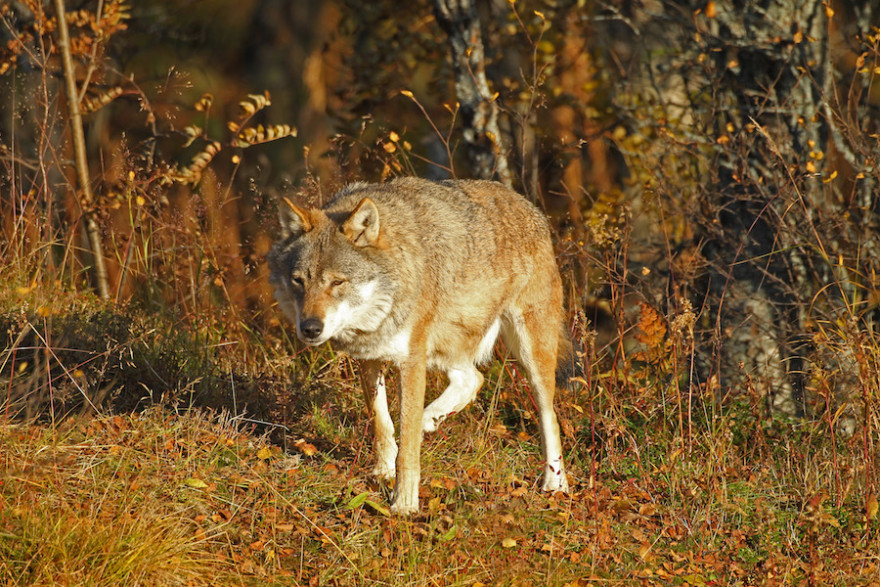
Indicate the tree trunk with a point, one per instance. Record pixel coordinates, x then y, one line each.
479 113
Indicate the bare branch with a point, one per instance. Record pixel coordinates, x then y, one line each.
79 149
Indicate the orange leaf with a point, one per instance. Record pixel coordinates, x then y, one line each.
711 11
305 447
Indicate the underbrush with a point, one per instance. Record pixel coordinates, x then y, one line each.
140 448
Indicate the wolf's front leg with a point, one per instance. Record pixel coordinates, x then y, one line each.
373 385
464 382
412 405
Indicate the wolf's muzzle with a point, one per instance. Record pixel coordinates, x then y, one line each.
311 328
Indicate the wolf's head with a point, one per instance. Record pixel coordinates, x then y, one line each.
325 273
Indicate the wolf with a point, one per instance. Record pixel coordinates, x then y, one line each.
426 275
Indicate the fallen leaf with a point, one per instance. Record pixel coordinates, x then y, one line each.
305 447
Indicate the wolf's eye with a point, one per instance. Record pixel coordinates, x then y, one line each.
297 281
337 282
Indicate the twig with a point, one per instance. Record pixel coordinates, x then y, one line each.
79 149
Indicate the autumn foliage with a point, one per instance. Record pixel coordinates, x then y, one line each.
710 172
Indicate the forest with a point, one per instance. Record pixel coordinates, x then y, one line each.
711 173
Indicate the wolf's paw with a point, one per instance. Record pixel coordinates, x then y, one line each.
405 507
430 421
386 456
554 477
555 481
555 485
383 470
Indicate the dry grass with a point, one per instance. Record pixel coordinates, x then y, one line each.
166 498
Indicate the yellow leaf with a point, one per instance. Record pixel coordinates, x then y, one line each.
508 543
264 453
306 448
195 483
711 10
204 102
829 12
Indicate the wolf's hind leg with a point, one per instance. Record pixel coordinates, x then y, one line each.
373 384
534 343
464 382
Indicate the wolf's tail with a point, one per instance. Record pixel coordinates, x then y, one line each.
568 364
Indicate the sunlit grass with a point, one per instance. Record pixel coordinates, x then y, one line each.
168 498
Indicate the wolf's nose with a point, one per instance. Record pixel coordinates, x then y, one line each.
311 327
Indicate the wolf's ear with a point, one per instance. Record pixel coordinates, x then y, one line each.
362 227
294 220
